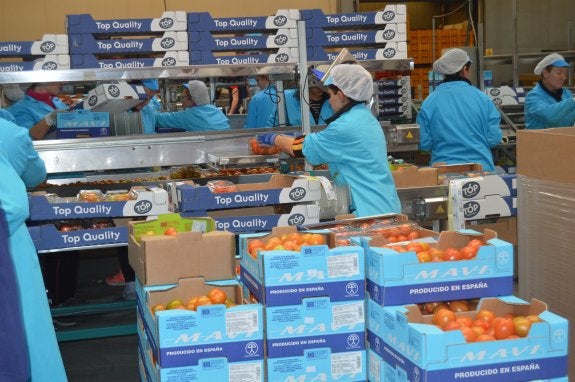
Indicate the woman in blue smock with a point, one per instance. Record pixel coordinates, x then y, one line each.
198 113
458 123
149 108
549 104
352 144
28 170
37 110
262 105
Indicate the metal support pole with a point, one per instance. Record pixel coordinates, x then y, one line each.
281 103
303 84
515 57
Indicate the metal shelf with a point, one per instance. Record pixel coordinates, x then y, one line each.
524 58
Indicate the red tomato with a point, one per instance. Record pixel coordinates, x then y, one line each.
485 315
468 252
451 254
475 243
442 316
503 328
469 334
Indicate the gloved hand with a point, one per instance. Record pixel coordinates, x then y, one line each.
267 139
50 118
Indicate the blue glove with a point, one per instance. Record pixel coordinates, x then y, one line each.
267 139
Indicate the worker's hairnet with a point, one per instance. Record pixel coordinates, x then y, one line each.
13 92
151 84
353 80
552 59
199 92
451 62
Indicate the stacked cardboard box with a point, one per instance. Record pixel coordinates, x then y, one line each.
49 53
506 95
394 98
370 36
128 43
243 40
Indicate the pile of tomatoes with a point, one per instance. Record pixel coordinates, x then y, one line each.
215 296
222 186
288 242
426 253
389 229
454 305
260 149
485 325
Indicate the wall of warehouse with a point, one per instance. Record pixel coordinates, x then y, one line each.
29 20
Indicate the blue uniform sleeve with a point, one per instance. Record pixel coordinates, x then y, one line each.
425 141
494 134
323 147
251 119
171 119
549 114
6 115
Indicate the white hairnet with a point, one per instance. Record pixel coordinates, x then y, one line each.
199 92
451 62
353 80
552 59
13 92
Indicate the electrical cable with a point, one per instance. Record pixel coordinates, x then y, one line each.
472 23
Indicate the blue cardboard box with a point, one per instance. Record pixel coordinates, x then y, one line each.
150 201
91 61
279 189
319 365
316 322
280 277
87 43
207 57
390 14
391 50
388 33
85 23
407 340
181 337
51 44
281 38
48 62
48 237
80 124
203 21
395 278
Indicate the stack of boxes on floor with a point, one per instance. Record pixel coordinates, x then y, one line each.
372 35
128 43
49 53
243 40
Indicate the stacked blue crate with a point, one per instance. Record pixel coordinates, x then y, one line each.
49 53
243 40
108 44
370 36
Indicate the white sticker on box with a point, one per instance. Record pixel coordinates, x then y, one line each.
348 315
241 322
245 372
199 226
347 363
374 368
343 265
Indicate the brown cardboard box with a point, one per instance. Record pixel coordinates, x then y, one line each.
506 228
161 259
546 212
412 176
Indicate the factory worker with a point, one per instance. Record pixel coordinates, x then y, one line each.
198 115
152 106
37 110
262 105
352 144
23 169
458 123
549 104
11 93
319 108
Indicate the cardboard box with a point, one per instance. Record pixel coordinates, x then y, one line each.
205 57
85 23
47 236
48 62
315 323
180 338
390 14
399 278
483 186
203 21
254 219
114 97
506 228
395 50
149 201
319 365
87 43
413 176
281 38
51 44
492 206
407 340
169 59
279 189
280 277
390 32
162 259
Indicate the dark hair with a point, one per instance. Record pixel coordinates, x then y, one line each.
334 88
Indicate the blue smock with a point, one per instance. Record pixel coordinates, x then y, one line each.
28 112
148 115
261 106
459 124
6 115
543 111
28 170
293 111
195 118
355 149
